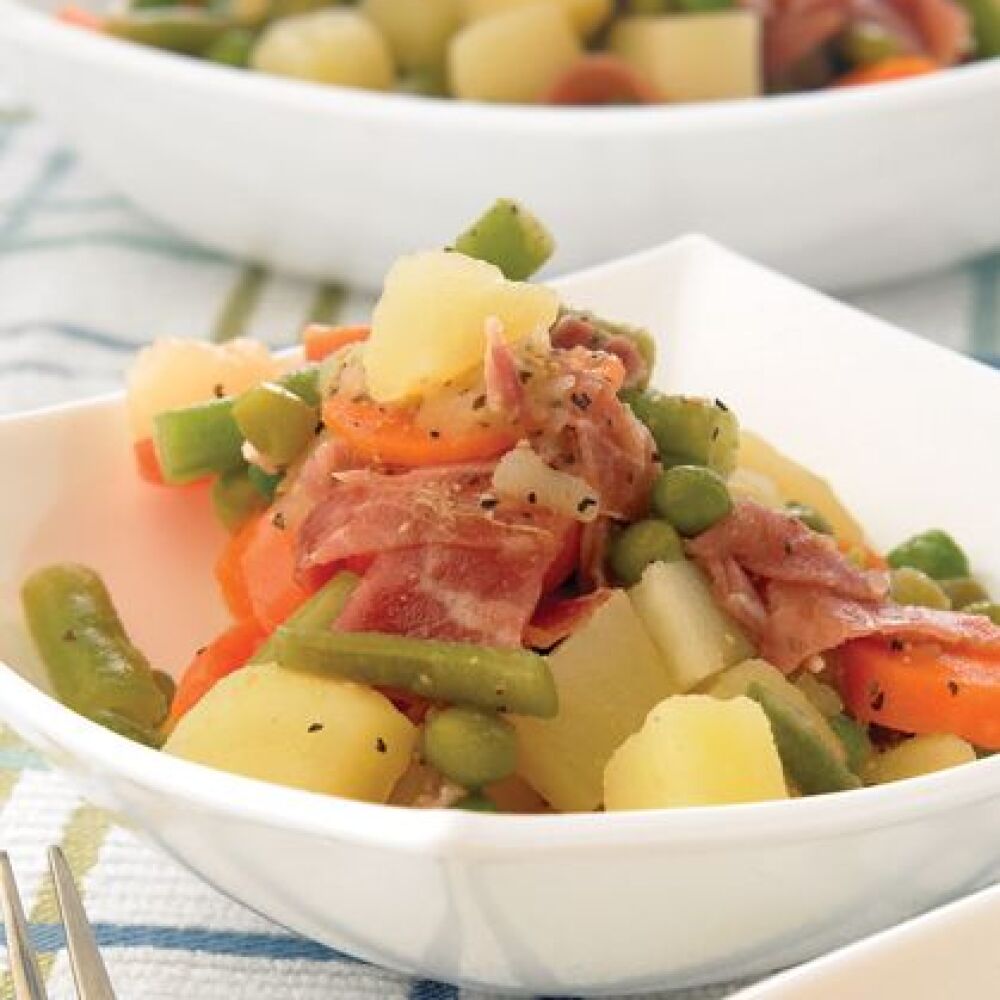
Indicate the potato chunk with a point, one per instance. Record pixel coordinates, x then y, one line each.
299 729
586 16
695 750
429 325
514 57
417 30
919 755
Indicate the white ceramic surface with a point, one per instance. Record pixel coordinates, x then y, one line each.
840 189
564 904
951 952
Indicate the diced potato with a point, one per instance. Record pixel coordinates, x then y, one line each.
171 373
693 57
514 57
337 47
920 755
795 482
417 32
693 751
608 675
299 729
695 638
747 484
586 16
429 325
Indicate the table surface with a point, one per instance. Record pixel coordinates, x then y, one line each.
85 281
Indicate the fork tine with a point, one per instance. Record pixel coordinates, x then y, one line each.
24 971
89 973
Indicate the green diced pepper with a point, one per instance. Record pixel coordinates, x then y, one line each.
236 498
197 441
319 612
92 665
985 26
689 430
509 236
275 421
933 552
512 680
470 747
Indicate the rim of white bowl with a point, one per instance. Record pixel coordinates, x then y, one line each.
954 83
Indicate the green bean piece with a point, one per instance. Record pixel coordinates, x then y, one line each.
179 29
806 757
933 552
988 609
476 803
692 498
854 737
606 329
319 612
864 43
275 421
166 684
641 544
985 16
511 237
197 441
93 666
130 730
511 680
232 48
304 382
236 499
809 516
689 430
910 586
265 483
963 591
153 4
470 747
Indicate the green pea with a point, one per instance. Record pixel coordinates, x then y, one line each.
933 552
476 803
809 516
470 747
641 544
691 497
275 421
963 591
988 609
910 586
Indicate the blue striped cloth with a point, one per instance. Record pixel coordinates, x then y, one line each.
84 281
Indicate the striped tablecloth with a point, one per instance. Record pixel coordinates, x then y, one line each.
84 282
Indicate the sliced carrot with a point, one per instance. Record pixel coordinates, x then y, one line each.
257 575
80 18
221 657
920 688
147 463
600 79
320 341
888 69
389 435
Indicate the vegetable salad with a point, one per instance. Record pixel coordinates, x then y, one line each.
476 560
581 52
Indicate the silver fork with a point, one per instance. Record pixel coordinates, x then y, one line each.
89 973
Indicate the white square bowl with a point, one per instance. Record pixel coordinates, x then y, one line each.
582 904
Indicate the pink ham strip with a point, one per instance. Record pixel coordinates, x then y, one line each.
575 331
504 392
558 618
798 596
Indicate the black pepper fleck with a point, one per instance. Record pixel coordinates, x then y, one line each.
580 400
722 406
219 390
279 521
896 645
585 503
952 688
878 701
489 503
380 744
315 727
532 497
479 402
69 635
434 434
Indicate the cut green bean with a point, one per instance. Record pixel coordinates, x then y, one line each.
197 441
511 237
148 737
92 665
275 421
854 738
504 680
470 747
232 48
689 430
236 499
319 612
182 30
303 382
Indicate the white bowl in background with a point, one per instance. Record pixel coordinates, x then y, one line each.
573 904
841 188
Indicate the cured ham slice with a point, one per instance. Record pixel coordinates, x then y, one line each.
799 597
576 331
557 618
